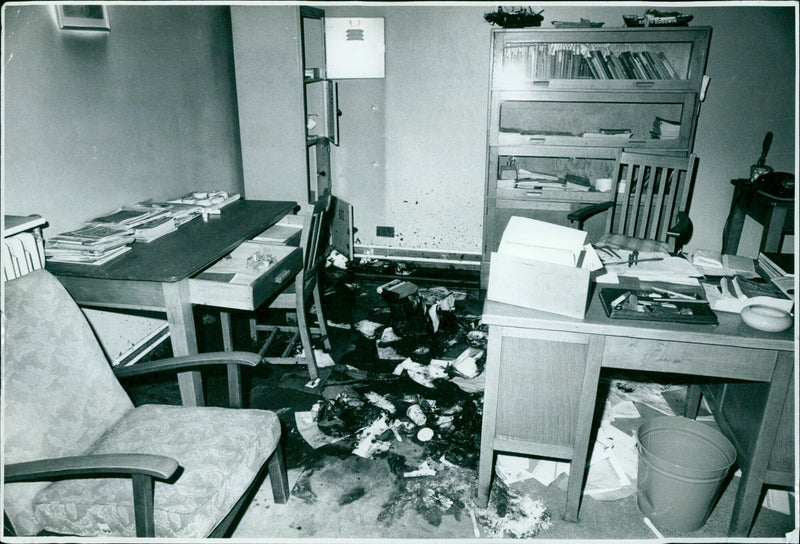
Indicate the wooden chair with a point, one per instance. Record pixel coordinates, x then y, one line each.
80 459
650 210
298 295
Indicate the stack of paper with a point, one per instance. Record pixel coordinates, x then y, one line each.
90 244
734 294
127 217
211 202
713 263
181 213
665 130
155 228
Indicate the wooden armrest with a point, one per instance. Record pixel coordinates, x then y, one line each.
156 466
680 232
187 361
681 226
582 214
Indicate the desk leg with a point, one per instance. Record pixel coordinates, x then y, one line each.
749 491
773 229
692 403
591 377
184 338
486 463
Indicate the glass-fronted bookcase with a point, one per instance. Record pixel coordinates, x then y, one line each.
566 101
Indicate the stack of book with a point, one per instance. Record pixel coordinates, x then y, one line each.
92 244
211 202
586 61
154 228
148 223
180 213
127 217
665 130
777 265
779 269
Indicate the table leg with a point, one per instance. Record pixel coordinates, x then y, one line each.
591 377
773 229
691 405
733 228
754 469
492 370
183 336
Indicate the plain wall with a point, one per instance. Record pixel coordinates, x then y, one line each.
98 120
149 111
435 97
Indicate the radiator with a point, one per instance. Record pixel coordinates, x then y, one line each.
124 338
22 253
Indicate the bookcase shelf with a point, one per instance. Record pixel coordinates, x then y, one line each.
567 101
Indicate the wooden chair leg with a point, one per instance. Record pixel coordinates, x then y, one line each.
320 318
692 403
278 477
227 331
305 337
253 329
143 508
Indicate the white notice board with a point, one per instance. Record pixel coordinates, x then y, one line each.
354 47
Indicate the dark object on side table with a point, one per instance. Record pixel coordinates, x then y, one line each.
516 18
654 17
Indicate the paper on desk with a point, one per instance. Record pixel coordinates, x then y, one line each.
669 269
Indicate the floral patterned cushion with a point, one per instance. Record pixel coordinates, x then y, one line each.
219 450
53 406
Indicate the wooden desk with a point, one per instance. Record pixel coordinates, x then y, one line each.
774 214
154 276
542 375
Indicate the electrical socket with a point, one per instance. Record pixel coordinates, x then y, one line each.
385 232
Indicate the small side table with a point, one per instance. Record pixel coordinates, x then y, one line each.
771 212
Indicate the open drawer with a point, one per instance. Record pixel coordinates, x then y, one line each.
247 277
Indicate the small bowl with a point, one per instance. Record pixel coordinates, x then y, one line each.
766 318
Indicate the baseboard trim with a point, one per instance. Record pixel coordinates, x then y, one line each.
449 259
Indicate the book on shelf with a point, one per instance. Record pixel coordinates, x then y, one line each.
777 265
587 61
576 183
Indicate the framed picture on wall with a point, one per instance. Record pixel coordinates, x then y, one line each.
82 17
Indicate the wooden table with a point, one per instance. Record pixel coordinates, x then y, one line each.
773 213
155 276
542 376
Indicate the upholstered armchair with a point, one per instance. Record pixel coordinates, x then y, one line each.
80 459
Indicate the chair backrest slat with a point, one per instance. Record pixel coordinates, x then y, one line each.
655 189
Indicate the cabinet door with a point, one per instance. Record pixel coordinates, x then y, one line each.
600 59
319 168
630 120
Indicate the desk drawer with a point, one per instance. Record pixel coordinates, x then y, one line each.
247 277
687 358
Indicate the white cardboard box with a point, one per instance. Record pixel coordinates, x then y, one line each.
537 266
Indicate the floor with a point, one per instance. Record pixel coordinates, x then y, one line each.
416 488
